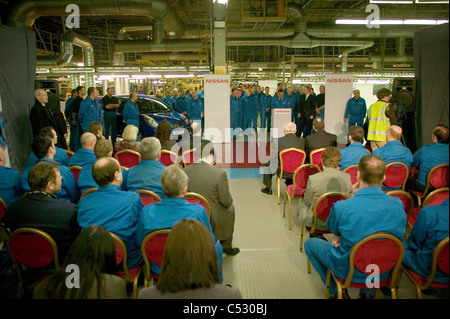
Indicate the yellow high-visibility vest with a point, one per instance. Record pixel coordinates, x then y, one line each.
378 122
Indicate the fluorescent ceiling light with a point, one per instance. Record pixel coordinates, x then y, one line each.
118 69
350 21
392 22
73 70
392 1
42 70
432 1
172 76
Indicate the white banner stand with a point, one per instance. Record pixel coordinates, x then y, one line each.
279 118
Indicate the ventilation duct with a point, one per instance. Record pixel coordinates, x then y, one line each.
164 46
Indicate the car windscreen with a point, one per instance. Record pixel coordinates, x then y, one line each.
151 106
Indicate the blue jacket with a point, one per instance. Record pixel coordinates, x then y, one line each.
168 101
146 175
248 104
69 189
290 101
86 181
428 157
432 226
279 104
90 111
83 157
10 185
118 212
60 157
369 211
130 113
351 155
266 100
394 151
356 109
68 110
165 214
194 109
181 104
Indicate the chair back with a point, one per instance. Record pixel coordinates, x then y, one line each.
188 157
148 197
301 175
442 253
168 157
121 255
75 169
438 177
315 157
436 197
407 200
69 153
152 250
353 171
3 208
195 198
396 175
322 206
88 191
291 159
32 248
128 158
381 249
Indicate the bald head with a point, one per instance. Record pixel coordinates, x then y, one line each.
2 157
394 133
88 141
106 171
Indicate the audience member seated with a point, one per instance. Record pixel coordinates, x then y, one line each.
320 139
369 211
189 268
42 210
10 183
212 183
195 139
45 151
85 155
289 140
430 228
329 180
163 133
96 129
60 157
94 253
353 153
171 209
129 140
112 208
147 174
428 157
103 148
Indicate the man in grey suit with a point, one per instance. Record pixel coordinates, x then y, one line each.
329 180
212 183
321 138
289 140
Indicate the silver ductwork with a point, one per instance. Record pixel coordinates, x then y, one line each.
164 46
23 13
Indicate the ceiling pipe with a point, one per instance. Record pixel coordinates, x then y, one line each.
23 13
179 45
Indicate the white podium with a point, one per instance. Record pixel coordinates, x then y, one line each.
279 118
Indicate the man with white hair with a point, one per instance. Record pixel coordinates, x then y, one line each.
289 140
147 174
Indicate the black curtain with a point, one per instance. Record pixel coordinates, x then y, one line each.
17 81
431 67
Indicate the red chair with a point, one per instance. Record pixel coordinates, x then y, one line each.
32 250
148 197
152 250
188 157
315 157
128 158
407 200
322 209
195 198
69 153
300 180
439 260
396 175
168 157
3 208
76 171
437 177
381 249
290 159
130 275
436 197
353 171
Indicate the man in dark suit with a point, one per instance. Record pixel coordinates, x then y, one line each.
289 140
306 112
321 138
42 116
42 210
212 183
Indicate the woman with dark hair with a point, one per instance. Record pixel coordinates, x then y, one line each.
94 252
189 268
163 132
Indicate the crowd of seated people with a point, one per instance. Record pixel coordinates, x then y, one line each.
53 197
